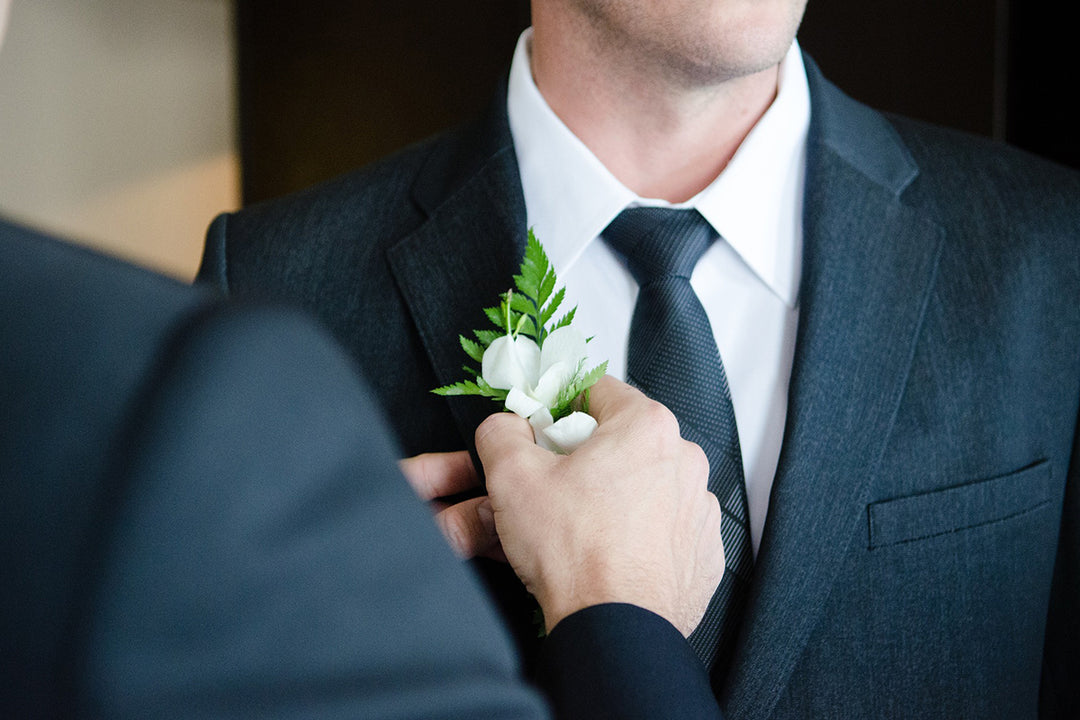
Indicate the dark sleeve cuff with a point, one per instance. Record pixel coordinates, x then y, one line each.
622 661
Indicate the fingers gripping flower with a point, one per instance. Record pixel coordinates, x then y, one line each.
535 371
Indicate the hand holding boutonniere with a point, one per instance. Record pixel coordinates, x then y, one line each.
533 367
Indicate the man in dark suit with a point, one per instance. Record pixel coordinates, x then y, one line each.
909 295
200 516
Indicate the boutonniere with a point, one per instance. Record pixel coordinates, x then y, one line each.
530 365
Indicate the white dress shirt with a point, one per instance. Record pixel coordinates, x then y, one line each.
748 281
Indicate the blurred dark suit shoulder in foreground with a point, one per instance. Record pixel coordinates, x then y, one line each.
200 516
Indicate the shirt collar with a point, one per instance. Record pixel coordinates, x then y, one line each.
755 204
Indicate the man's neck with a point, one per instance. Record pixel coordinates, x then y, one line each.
662 139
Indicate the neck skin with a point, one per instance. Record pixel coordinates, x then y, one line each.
663 136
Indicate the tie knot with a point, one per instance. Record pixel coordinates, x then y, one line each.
660 242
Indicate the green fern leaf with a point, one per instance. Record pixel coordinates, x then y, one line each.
472 349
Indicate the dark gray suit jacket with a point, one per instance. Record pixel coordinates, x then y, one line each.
200 517
921 556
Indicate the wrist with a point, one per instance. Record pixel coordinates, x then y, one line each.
572 597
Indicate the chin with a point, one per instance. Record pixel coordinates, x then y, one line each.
758 39
730 60
737 45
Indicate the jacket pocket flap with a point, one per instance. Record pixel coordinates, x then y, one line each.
938 512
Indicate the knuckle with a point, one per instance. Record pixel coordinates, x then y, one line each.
425 479
696 460
455 528
418 474
660 420
712 504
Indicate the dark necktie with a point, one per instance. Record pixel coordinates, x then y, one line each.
673 359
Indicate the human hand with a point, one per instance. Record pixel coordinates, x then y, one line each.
626 518
467 525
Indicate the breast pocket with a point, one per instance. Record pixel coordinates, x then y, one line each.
961 507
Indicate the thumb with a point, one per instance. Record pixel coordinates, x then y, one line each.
501 434
508 450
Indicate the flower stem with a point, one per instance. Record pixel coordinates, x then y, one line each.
509 300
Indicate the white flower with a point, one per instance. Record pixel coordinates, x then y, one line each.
564 436
534 378
511 362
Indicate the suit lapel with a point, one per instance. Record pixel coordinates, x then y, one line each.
466 252
868 268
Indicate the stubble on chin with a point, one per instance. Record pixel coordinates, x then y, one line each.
681 52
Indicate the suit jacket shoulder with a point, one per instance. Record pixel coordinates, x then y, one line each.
202 516
83 337
267 526
1000 190
371 207
396 260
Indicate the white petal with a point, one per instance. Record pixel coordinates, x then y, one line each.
566 345
540 421
511 362
521 404
570 432
552 382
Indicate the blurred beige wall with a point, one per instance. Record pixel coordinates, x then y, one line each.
117 124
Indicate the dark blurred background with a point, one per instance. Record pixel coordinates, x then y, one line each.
328 86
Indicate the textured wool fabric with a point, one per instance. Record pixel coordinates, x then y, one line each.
673 358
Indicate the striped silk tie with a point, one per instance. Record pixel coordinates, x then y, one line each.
673 359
